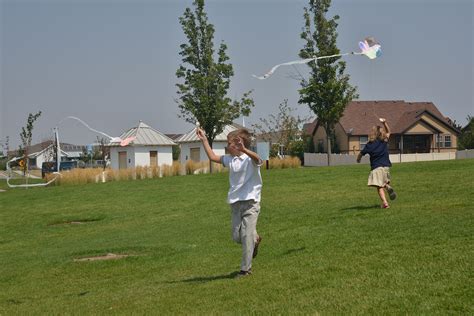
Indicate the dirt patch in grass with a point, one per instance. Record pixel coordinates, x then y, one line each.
109 256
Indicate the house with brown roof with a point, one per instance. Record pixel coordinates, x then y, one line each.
416 127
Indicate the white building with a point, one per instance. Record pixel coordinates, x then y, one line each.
36 159
192 149
150 148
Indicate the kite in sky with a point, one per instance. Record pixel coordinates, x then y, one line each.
369 47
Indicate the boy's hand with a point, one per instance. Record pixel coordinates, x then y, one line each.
200 134
239 144
382 120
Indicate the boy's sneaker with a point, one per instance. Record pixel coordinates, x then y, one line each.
255 248
242 274
391 192
385 205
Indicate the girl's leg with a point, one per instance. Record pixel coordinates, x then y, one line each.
381 192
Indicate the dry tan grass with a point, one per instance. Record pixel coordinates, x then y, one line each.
193 167
287 162
155 172
177 168
77 176
92 175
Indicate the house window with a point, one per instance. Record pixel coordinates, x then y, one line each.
320 146
363 141
440 141
447 141
444 141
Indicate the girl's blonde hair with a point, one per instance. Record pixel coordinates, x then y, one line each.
377 132
242 133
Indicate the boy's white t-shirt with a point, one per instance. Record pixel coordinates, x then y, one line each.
244 177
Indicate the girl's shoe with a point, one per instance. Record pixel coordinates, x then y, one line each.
385 205
391 192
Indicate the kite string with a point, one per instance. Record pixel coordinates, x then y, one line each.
85 124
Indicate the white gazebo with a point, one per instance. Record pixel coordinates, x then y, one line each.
192 149
149 148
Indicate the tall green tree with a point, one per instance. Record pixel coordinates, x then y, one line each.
466 138
26 136
206 77
327 92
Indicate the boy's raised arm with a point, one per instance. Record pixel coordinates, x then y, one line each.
253 155
210 153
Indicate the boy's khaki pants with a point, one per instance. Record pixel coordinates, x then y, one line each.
244 229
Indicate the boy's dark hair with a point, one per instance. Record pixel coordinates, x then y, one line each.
242 133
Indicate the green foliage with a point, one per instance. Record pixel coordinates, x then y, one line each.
327 92
327 246
309 144
203 94
274 150
176 152
283 128
3 163
98 153
466 139
296 148
26 136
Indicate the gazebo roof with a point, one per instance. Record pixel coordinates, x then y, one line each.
145 136
191 137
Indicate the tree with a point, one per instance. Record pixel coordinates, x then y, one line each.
203 94
327 92
26 136
176 151
6 147
104 150
283 128
466 139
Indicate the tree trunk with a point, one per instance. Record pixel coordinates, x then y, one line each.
210 161
329 150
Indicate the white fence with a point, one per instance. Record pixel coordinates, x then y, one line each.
465 154
318 160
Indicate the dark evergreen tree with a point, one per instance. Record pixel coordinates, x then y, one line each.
203 92
327 92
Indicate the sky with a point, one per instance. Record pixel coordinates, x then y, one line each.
113 62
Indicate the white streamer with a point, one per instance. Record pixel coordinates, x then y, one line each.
302 61
369 47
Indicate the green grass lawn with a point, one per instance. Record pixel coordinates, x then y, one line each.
327 246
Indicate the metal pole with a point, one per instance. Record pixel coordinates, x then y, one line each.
58 149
